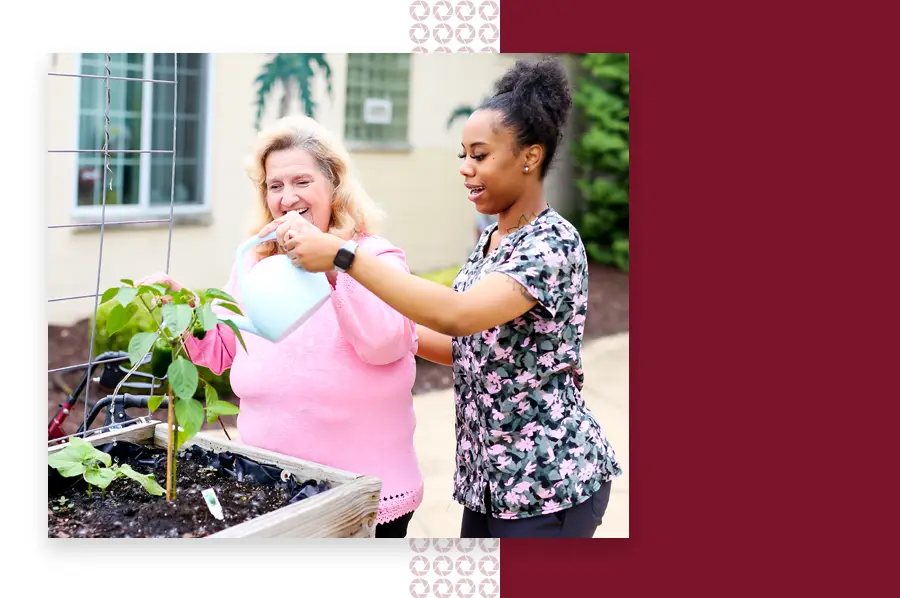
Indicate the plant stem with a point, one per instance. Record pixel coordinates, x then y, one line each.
224 429
152 315
170 451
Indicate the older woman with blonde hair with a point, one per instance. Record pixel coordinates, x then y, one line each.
337 391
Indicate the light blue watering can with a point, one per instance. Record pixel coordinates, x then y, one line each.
278 297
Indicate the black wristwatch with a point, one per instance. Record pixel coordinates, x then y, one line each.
344 258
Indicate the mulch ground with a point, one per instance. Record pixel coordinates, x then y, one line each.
68 345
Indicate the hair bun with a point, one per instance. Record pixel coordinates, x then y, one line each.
543 84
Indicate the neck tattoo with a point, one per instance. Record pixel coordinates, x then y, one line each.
523 221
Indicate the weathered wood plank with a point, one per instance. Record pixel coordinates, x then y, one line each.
344 511
139 434
347 510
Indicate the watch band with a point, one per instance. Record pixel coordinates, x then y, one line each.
344 258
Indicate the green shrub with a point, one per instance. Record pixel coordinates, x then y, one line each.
601 156
142 321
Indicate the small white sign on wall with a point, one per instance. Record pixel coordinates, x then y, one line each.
377 111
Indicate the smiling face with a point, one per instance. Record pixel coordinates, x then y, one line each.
492 170
295 182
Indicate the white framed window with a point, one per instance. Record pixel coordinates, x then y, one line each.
377 110
141 115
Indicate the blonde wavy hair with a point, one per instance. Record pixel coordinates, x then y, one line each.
353 212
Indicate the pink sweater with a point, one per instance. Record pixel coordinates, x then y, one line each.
338 391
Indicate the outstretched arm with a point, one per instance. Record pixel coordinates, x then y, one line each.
494 300
527 277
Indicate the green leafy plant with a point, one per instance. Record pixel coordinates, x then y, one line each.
290 69
176 314
143 321
81 458
602 157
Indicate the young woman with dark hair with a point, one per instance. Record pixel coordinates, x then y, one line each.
531 459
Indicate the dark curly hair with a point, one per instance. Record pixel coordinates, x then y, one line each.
534 99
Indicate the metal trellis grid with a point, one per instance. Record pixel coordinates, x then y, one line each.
107 172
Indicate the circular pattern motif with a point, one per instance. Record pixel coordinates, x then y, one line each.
468 592
419 565
468 36
489 10
488 560
442 33
443 565
465 10
488 33
465 565
420 33
443 588
419 10
488 588
458 567
446 10
444 20
419 588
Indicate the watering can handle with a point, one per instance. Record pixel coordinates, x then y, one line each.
240 259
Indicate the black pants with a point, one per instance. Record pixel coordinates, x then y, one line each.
580 521
394 529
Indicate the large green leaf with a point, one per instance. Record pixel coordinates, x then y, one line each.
177 317
119 317
126 295
147 481
183 377
154 402
99 476
108 294
223 408
68 464
207 318
139 345
219 294
231 307
189 414
210 394
77 457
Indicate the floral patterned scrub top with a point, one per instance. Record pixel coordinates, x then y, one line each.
521 424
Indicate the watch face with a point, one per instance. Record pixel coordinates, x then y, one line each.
343 259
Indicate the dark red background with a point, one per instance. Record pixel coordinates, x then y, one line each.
764 271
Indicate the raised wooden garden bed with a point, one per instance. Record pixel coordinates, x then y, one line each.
346 509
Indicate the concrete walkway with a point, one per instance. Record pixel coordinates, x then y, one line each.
606 393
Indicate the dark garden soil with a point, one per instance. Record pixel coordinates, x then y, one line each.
68 345
126 510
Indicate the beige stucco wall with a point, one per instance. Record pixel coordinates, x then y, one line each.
420 189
